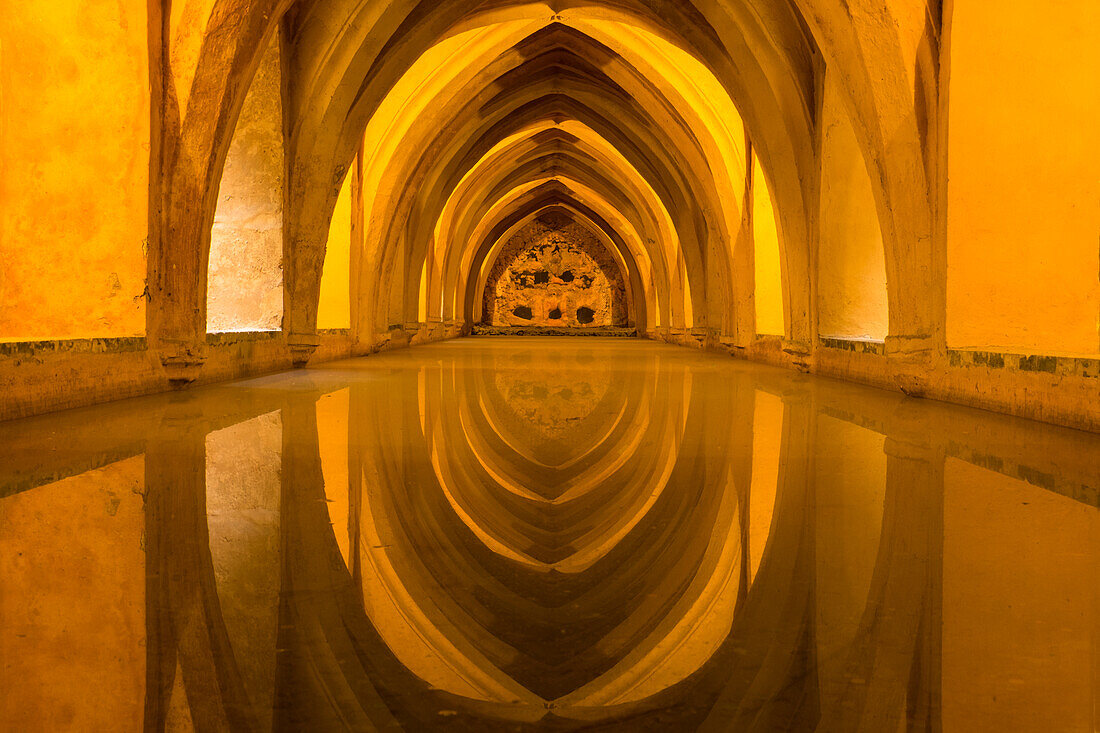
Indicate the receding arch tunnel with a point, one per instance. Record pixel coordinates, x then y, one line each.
466 119
428 355
773 175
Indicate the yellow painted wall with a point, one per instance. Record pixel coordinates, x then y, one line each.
1021 573
1024 167
72 603
187 23
851 296
769 279
334 310
74 160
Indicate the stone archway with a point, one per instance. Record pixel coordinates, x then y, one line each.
554 272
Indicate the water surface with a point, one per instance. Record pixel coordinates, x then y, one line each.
547 534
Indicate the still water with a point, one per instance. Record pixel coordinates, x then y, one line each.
547 534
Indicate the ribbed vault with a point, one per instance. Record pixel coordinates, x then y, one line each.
455 122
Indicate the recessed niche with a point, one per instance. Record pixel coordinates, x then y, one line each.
585 314
552 266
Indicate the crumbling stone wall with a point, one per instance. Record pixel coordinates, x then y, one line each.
555 272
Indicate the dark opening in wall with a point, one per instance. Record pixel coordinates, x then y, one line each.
567 276
541 278
555 315
522 311
585 314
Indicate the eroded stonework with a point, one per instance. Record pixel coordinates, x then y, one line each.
555 272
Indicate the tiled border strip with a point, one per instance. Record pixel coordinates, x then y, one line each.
1060 366
73 346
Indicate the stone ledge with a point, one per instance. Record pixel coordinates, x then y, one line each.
239 337
1066 398
859 346
121 345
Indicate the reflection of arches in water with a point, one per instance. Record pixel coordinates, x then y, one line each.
336 666
183 589
511 541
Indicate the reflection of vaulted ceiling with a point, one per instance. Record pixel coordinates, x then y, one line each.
504 562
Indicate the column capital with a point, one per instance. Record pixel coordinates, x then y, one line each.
302 346
182 359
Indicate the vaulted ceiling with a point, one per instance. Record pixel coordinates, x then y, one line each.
461 121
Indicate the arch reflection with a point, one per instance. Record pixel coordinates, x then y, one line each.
599 534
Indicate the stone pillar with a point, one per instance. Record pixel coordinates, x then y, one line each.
744 266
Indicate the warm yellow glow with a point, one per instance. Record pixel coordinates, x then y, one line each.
334 309
850 489
451 511
851 261
73 587
244 525
443 68
594 199
767 442
332 441
769 278
1018 629
422 300
1024 192
717 122
74 168
851 283
440 70
453 249
186 30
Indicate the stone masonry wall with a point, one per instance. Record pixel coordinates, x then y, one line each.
555 272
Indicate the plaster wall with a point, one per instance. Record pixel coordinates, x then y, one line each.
187 24
769 279
49 376
74 168
1023 192
851 296
1059 391
334 308
245 285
